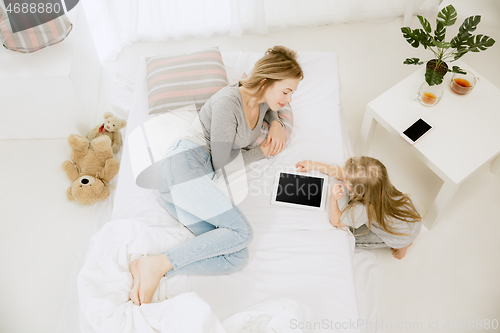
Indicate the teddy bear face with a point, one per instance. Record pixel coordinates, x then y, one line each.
112 123
88 190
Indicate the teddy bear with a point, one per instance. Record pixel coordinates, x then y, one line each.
90 169
111 128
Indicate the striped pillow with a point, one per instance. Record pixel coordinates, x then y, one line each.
33 39
180 80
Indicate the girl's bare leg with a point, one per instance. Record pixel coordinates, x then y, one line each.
147 273
400 253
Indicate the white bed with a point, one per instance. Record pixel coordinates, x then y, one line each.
296 255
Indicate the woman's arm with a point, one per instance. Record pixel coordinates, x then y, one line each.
275 141
222 133
255 153
284 116
280 128
336 194
331 170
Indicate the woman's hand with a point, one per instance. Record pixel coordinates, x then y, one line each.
275 138
305 166
336 192
265 147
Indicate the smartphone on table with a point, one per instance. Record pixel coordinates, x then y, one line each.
416 131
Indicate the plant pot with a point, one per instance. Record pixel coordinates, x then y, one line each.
442 69
435 75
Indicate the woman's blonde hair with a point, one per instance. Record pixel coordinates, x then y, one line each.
277 64
370 186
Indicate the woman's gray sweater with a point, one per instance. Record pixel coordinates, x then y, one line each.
222 130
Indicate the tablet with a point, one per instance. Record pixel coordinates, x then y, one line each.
300 190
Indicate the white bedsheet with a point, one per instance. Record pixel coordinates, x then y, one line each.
295 254
105 281
104 284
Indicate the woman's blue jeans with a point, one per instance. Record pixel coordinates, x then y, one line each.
189 193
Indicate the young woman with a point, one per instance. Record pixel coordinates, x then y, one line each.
378 214
229 123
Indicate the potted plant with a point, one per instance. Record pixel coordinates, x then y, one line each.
461 44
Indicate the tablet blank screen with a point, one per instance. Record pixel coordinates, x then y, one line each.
302 190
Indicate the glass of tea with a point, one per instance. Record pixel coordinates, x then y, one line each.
462 84
429 95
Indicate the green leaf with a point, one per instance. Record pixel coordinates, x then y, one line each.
464 32
410 37
460 53
433 78
448 16
425 24
479 43
417 37
440 31
459 41
424 38
457 70
412 61
469 25
443 45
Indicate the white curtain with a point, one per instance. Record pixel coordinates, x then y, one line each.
117 23
281 14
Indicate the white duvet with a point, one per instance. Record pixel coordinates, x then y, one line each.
300 273
105 283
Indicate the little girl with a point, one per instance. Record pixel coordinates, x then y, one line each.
378 214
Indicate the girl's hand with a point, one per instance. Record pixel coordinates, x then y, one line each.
305 166
275 138
336 192
335 213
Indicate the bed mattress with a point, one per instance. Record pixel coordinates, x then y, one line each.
295 254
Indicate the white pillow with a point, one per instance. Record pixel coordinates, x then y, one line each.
149 142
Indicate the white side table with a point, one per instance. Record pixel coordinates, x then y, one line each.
466 132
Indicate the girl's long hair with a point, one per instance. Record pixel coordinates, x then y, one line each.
370 186
277 64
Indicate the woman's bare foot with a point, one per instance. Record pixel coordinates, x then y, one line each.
150 270
400 253
134 293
